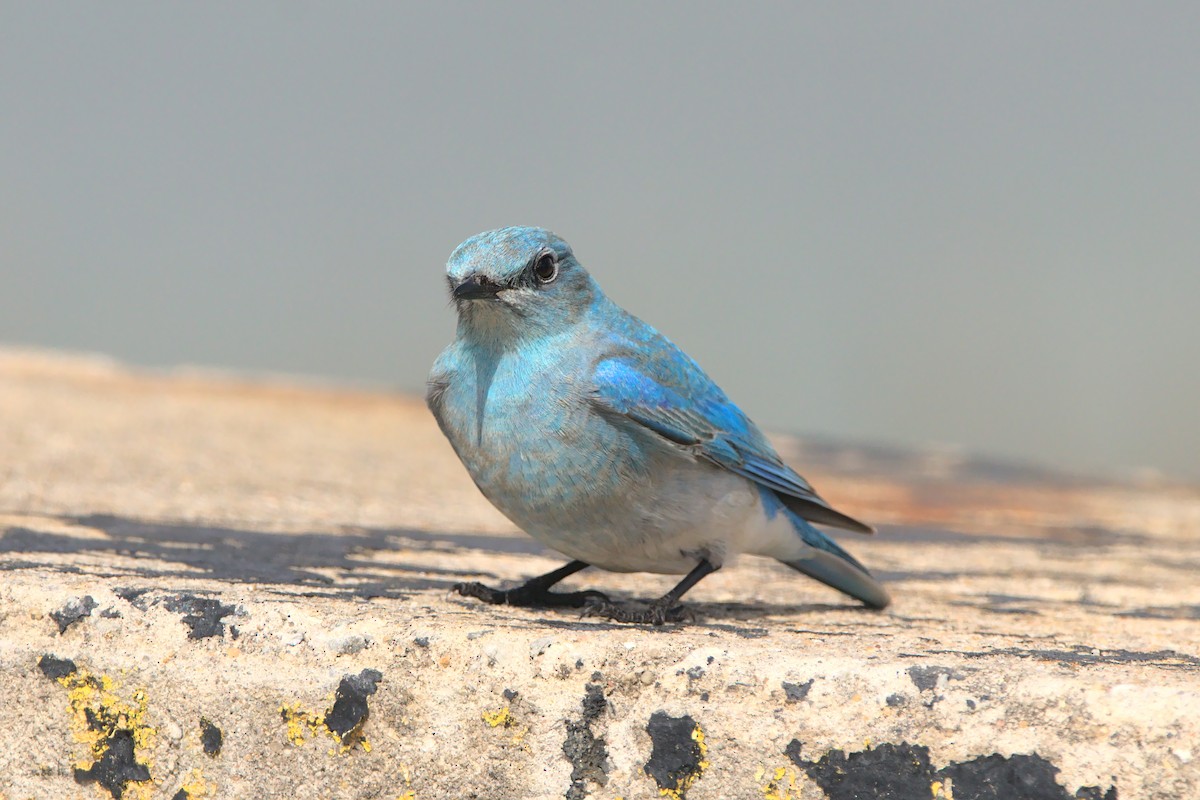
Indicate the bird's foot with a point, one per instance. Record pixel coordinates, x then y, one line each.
530 596
657 613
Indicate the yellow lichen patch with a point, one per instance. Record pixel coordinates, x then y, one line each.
698 738
942 791
504 718
408 794
196 787
302 725
497 718
109 712
686 781
780 784
98 713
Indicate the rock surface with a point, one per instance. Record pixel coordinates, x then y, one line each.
218 588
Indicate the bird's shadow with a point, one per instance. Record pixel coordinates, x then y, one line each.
306 563
337 565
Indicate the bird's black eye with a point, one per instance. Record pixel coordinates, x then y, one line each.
545 268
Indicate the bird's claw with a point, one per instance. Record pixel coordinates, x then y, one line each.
656 613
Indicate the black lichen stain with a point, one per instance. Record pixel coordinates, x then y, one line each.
117 766
202 615
76 609
54 667
887 772
133 596
182 794
675 760
795 692
1017 777
210 738
904 771
587 752
926 678
593 703
349 711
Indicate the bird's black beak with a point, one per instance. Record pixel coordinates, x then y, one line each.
476 287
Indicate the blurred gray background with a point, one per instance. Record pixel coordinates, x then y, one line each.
904 222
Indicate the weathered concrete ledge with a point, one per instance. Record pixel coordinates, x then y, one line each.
218 589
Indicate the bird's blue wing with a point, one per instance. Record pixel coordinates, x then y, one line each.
661 389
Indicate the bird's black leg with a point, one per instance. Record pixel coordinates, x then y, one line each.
535 592
664 609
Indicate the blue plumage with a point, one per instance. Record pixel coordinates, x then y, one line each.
598 436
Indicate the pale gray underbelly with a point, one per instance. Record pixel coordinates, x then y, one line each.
615 497
665 524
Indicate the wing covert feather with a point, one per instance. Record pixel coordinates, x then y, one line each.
668 394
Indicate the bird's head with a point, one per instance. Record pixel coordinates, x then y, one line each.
517 281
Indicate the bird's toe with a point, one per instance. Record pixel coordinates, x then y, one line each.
480 592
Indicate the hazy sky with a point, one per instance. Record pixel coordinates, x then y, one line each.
905 222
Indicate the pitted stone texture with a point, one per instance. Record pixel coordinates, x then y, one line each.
1044 633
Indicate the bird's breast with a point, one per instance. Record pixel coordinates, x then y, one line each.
528 436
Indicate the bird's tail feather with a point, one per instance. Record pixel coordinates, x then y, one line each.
833 566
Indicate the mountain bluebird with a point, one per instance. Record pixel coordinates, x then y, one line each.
595 434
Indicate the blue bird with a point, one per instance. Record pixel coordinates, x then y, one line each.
600 438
